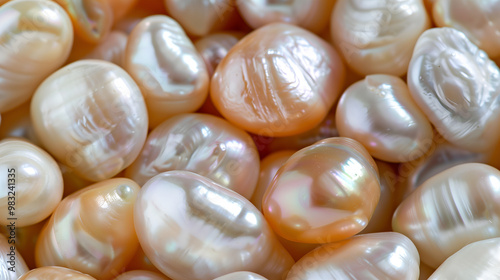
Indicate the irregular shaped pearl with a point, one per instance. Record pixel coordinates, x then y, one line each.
279 80
92 230
55 273
379 113
91 116
241 275
213 48
450 210
11 259
457 87
324 193
168 69
385 255
111 48
312 15
141 275
36 38
31 179
478 260
182 218
377 37
17 123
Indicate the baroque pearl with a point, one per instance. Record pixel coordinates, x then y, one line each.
378 36
385 255
91 116
111 48
168 69
36 38
324 193
241 275
31 179
12 264
450 210
55 273
279 80
182 218
379 113
92 230
141 275
457 87
213 48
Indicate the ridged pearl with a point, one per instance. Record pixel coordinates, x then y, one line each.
11 259
111 48
324 193
55 273
92 230
192 228
35 37
91 116
141 275
214 47
241 275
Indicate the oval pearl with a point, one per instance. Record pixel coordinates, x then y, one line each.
213 48
17 123
279 80
111 48
168 69
457 87
324 193
55 273
33 178
241 275
92 230
450 210
379 113
206 145
91 116
141 275
36 38
377 37
385 255
6 261
182 218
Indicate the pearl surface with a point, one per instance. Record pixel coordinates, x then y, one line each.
91 116
7 262
213 48
324 193
35 38
141 275
279 80
457 87
193 228
168 69
92 230
55 273
241 275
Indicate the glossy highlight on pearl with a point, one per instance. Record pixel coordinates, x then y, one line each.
55 273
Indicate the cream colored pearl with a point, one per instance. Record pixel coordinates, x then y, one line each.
55 273
11 258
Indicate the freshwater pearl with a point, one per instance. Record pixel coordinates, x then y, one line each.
141 275
92 230
379 113
385 255
241 275
457 87
168 69
91 116
35 39
378 36
26 241
111 48
17 123
192 228
213 48
450 210
55 273
324 193
279 80
31 179
11 259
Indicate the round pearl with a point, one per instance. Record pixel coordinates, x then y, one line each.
213 48
55 273
6 261
141 275
241 275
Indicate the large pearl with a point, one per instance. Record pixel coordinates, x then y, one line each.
192 228
92 230
168 69
457 87
35 38
55 273
91 116
11 258
450 210
279 80
213 48
324 193
386 255
31 182
141 275
241 275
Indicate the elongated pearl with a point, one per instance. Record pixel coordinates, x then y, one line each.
55 273
450 210
35 38
213 48
168 69
457 87
183 218
12 264
17 123
324 193
241 275
92 230
91 116
385 255
141 275
111 48
31 180
279 80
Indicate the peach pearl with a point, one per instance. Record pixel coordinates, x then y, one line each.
6 261
55 273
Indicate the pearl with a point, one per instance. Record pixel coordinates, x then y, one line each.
91 116
213 48
7 262
377 37
241 275
324 193
168 69
92 230
55 273
457 87
35 38
111 48
379 113
141 275
279 80
183 218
